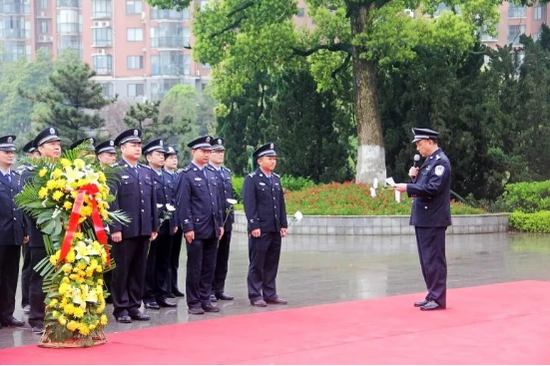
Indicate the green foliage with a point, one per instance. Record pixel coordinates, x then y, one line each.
237 183
355 199
70 101
537 222
527 197
291 183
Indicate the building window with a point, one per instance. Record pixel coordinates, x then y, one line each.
44 27
300 12
514 31
134 7
108 90
537 12
69 3
134 34
134 62
102 37
515 11
103 64
186 14
101 9
135 90
206 66
43 4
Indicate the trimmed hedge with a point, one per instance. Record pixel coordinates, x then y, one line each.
537 222
527 196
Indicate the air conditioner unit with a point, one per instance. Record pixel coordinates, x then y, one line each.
144 49
42 14
41 38
96 24
105 24
49 39
101 51
409 12
198 73
143 16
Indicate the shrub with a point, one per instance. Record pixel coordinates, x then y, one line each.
296 184
527 196
538 222
237 188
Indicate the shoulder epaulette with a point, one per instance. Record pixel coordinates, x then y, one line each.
16 172
186 169
211 168
226 169
251 175
277 175
144 166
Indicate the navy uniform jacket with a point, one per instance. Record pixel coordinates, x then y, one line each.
199 202
12 228
135 195
431 192
165 188
264 205
225 186
175 179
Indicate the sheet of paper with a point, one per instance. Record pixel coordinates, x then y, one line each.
390 181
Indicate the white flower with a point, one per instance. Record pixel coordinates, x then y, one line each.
375 183
298 216
231 201
56 212
159 205
372 192
170 208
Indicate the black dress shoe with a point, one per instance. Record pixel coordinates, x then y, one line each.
196 311
277 301
38 330
152 305
177 293
211 308
13 323
124 319
258 303
420 303
223 296
166 304
213 298
171 295
432 305
140 316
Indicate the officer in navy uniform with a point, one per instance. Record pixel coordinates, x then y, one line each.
135 195
264 206
170 167
106 155
12 233
87 142
223 175
157 277
431 215
48 144
201 219
32 153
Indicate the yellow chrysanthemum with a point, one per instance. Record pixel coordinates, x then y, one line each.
83 329
71 256
72 325
100 282
55 314
62 320
53 260
51 184
74 277
89 272
103 320
43 192
67 268
99 269
66 280
42 172
78 312
68 205
63 288
69 309
78 236
57 195
53 303
86 211
82 266
63 302
65 163
57 173
61 183
79 164
102 177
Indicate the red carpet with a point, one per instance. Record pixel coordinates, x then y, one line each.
497 324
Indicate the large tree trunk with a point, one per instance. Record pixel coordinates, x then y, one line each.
371 160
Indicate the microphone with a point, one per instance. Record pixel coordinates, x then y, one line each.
416 160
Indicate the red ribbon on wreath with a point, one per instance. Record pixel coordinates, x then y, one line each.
99 228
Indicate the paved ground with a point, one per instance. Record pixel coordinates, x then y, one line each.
329 269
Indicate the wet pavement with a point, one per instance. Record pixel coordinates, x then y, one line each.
328 269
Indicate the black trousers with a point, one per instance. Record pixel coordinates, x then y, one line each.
175 259
26 275
201 260
263 253
157 277
36 293
222 261
9 274
129 275
431 250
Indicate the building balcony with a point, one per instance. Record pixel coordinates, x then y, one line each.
69 3
15 34
102 14
169 70
170 42
14 7
160 15
69 28
8 57
44 39
102 43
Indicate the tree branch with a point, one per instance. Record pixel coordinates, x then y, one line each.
337 47
344 65
229 27
240 8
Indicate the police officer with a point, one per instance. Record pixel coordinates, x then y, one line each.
32 153
431 215
106 153
157 277
87 142
12 234
48 144
223 176
134 194
170 167
201 219
264 206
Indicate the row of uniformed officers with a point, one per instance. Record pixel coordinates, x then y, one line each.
147 251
